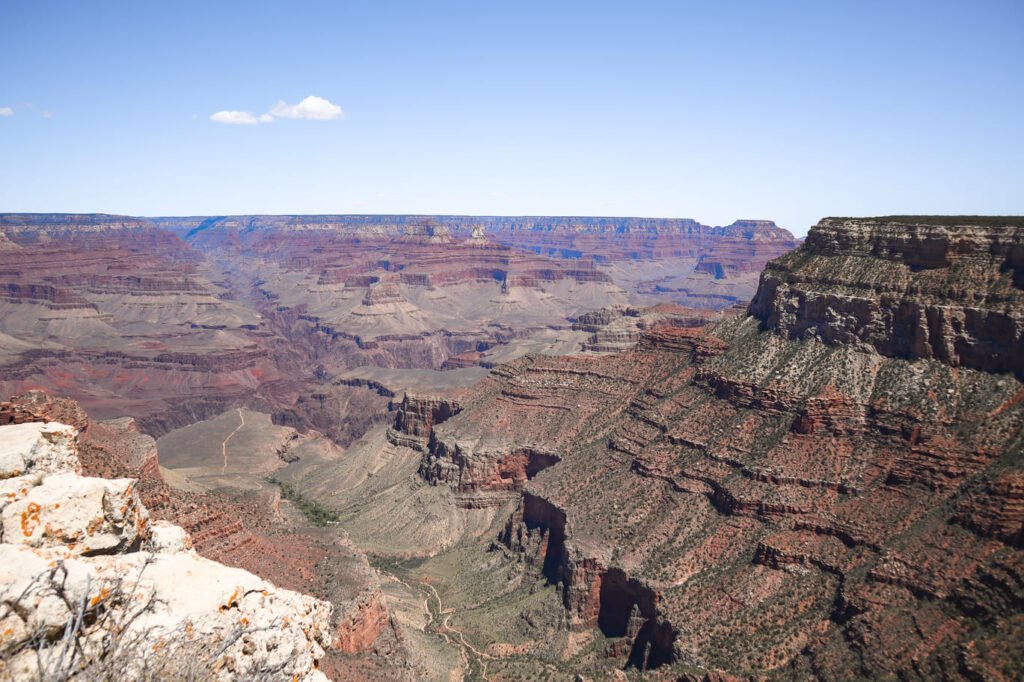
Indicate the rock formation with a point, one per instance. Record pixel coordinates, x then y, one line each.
127 324
952 293
698 265
825 484
827 487
618 328
174 320
255 531
90 589
478 236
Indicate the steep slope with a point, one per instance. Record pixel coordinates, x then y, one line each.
828 487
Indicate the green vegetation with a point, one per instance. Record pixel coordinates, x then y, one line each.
948 220
315 513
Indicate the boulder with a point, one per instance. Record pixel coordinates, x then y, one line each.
79 599
164 536
83 515
37 447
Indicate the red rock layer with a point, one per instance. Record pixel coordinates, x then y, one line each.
113 311
38 406
744 503
743 247
359 257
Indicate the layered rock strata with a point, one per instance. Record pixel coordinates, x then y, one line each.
618 328
175 320
698 265
949 292
753 499
127 323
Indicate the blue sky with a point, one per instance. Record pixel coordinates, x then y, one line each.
711 110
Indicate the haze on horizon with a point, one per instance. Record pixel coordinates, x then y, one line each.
711 111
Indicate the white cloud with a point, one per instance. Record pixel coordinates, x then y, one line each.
313 108
6 111
240 117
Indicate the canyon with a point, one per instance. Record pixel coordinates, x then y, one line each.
824 486
321 320
514 448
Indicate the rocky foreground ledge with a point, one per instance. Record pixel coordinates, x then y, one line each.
90 588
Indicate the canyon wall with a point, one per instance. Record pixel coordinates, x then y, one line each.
174 320
116 313
949 292
700 265
807 491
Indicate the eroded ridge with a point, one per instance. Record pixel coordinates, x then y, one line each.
752 499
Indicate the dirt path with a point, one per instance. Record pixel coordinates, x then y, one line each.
224 445
471 656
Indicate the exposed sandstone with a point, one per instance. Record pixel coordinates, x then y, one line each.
39 406
38 448
127 324
182 610
175 320
619 328
79 514
416 417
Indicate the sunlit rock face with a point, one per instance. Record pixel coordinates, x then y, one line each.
121 315
122 504
948 292
90 588
830 483
175 320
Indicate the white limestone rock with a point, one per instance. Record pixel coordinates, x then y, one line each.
70 547
38 447
80 514
188 611
166 537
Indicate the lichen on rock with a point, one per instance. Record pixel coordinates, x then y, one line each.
89 589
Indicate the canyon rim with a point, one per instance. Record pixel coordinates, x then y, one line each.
604 341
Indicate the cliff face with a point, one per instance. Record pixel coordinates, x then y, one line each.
117 313
396 292
948 292
812 490
174 320
699 265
